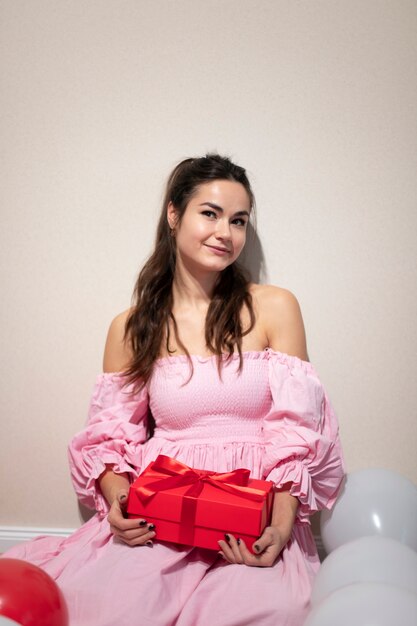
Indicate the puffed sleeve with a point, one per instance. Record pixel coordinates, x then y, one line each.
115 430
302 436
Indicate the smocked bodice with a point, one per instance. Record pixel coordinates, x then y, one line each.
209 404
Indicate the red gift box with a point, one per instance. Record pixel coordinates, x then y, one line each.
197 507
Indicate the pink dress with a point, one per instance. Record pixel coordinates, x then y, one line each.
273 418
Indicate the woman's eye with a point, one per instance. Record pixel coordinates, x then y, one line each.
239 222
209 213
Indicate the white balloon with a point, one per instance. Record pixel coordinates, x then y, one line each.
368 559
366 604
372 502
6 621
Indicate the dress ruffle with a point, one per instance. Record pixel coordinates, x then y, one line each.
114 435
302 436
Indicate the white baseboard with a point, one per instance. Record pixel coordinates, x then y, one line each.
12 535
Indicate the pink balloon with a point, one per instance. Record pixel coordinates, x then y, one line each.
29 596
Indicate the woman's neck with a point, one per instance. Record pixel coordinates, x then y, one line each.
191 290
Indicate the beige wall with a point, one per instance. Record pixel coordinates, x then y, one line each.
101 98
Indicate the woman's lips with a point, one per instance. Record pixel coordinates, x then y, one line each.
218 250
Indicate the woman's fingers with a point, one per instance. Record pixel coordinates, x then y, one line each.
138 536
137 540
230 549
271 537
235 551
226 551
262 542
122 496
247 556
131 531
116 519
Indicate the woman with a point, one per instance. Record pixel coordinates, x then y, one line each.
212 370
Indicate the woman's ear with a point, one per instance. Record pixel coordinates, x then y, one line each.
172 216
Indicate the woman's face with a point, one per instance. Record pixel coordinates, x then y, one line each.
212 231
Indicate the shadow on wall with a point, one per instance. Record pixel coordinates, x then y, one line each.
252 257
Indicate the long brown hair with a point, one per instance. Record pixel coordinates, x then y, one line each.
151 315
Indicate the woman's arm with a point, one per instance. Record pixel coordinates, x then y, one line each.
117 352
115 487
283 325
116 357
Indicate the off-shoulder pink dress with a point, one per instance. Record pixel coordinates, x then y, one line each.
273 418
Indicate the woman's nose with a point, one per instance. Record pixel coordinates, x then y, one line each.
223 229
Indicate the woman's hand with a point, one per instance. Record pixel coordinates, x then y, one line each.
115 488
267 548
272 541
134 532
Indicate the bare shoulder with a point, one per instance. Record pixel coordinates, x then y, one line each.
271 294
280 316
117 353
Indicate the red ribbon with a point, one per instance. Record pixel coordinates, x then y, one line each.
179 475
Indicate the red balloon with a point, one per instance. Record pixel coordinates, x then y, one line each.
29 596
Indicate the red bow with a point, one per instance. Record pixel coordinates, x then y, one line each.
180 475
